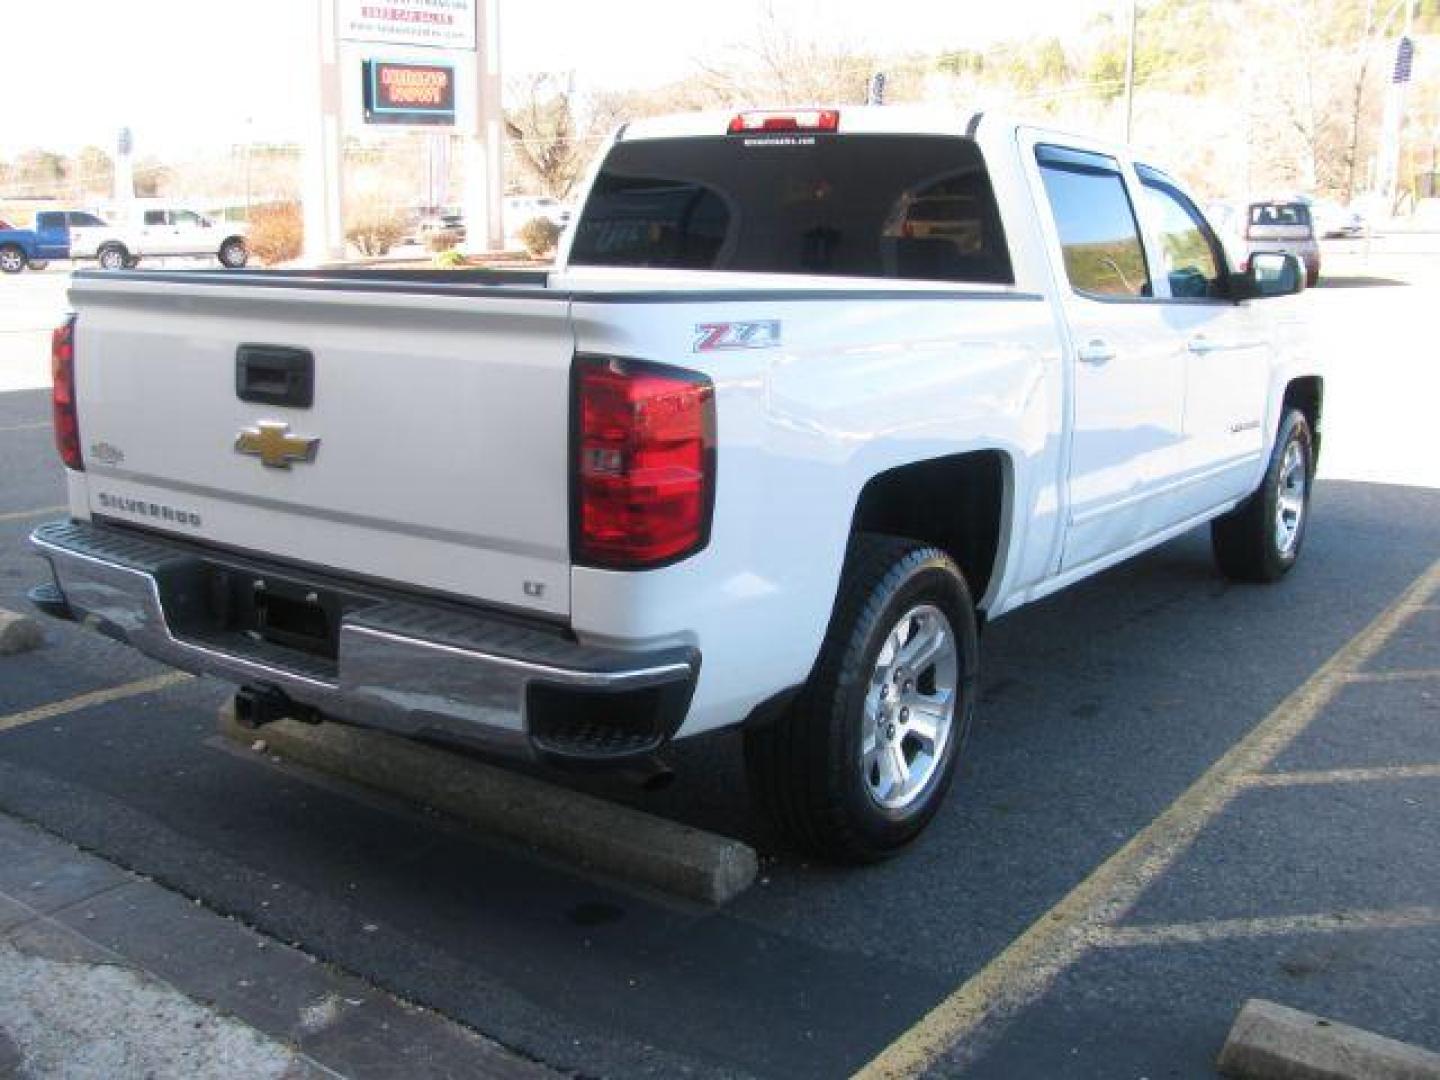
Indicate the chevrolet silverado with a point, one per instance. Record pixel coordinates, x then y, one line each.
809 396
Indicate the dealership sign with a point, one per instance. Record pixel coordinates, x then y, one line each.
403 93
438 24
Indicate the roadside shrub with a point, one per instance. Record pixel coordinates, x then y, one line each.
277 233
442 240
449 260
539 235
375 230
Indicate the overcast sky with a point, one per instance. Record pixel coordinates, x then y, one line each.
188 72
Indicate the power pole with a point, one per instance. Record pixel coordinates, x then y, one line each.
1130 77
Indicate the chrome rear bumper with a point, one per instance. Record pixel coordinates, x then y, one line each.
408 665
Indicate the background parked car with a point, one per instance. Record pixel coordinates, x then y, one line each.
49 239
1283 225
155 230
518 209
1333 221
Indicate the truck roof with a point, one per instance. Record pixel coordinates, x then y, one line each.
852 119
898 119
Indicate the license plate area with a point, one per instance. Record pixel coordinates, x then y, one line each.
233 606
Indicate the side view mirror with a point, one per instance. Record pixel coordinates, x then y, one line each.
1270 273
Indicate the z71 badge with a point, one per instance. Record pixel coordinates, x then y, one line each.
716 336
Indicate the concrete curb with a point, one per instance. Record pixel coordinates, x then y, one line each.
615 840
18 633
1273 1042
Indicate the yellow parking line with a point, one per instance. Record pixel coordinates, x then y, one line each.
1025 969
95 697
1343 776
39 511
26 427
1267 926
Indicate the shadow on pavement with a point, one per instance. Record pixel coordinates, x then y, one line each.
1356 282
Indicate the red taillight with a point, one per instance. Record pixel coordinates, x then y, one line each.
747 123
644 468
62 374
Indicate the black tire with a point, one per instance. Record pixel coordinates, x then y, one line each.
112 257
233 253
12 259
132 261
1247 541
805 765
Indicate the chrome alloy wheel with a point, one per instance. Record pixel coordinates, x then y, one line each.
11 261
909 707
1290 499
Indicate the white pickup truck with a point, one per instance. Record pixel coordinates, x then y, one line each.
157 231
809 396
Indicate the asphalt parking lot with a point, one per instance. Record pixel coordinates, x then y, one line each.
1181 793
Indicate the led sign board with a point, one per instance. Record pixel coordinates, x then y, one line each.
403 93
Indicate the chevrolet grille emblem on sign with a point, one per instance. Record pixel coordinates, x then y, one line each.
273 444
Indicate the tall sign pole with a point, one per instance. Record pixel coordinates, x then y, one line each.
485 143
1394 120
323 198
124 187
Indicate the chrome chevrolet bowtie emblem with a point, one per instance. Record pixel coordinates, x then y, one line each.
273 444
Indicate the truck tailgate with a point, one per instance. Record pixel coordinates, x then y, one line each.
440 414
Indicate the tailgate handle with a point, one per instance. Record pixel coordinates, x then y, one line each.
275 375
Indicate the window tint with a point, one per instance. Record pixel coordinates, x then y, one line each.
185 217
1185 243
1098 233
154 217
49 219
912 207
81 220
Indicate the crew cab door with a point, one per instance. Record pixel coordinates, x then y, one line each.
1226 350
1128 379
157 234
191 234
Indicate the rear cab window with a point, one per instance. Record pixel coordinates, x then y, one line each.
912 207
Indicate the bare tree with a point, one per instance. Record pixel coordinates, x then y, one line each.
554 130
781 64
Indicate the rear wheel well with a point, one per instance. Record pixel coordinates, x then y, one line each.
1308 395
955 503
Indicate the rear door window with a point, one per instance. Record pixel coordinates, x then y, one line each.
889 206
1099 234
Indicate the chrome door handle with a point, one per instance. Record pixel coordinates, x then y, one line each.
1097 352
1200 345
